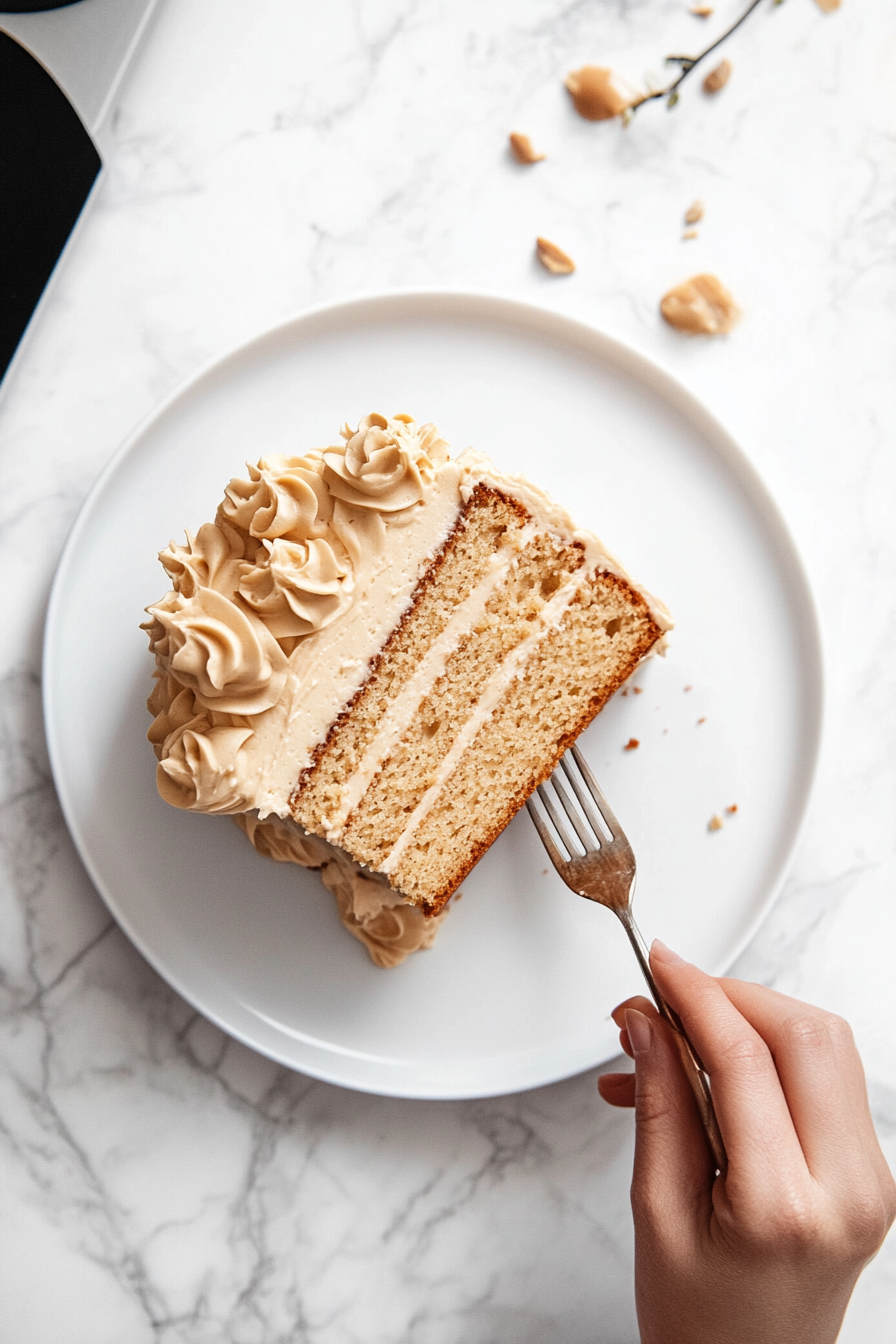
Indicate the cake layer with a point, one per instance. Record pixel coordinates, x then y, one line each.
565 681
509 618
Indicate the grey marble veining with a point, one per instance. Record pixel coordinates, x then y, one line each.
161 1182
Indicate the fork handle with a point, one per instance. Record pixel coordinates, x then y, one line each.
694 1070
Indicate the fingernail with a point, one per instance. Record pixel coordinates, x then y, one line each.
640 1032
664 953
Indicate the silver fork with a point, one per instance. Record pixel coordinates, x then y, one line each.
601 867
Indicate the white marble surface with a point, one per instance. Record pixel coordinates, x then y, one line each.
161 1183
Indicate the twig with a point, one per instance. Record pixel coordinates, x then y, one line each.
688 63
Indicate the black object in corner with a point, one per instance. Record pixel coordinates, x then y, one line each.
48 164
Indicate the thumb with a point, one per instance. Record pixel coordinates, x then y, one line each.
673 1171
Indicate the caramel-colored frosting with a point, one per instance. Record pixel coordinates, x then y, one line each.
386 464
218 648
372 912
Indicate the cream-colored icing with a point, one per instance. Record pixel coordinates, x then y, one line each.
372 912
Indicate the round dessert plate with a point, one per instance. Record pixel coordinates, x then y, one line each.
517 990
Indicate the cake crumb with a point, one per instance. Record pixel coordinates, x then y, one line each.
694 213
718 78
700 306
595 94
625 692
632 744
521 149
828 6
689 688
731 810
544 872
702 11
715 822
703 720
553 258
637 690
689 234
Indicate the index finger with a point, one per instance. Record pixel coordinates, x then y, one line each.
749 1101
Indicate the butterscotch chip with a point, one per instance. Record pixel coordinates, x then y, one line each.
701 306
694 213
595 94
521 149
553 258
718 78
715 822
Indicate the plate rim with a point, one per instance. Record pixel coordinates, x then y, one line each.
645 368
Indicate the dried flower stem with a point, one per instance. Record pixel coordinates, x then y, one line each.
688 63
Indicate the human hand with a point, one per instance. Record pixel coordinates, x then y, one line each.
770 1252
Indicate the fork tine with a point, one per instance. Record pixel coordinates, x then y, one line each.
587 804
607 812
544 835
575 817
554 815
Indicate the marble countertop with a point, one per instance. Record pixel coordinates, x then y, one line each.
161 1182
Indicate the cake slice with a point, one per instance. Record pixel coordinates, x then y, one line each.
374 655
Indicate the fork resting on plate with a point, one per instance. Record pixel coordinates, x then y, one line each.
599 864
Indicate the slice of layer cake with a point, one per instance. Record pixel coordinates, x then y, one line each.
374 655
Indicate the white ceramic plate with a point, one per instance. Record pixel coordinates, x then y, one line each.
517 990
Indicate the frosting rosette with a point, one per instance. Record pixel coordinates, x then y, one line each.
297 587
202 768
172 706
213 558
283 497
224 654
385 464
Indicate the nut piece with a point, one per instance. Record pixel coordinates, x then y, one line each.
521 149
553 258
718 78
700 306
715 822
694 213
595 95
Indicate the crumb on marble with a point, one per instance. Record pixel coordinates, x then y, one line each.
521 149
700 306
553 258
718 78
